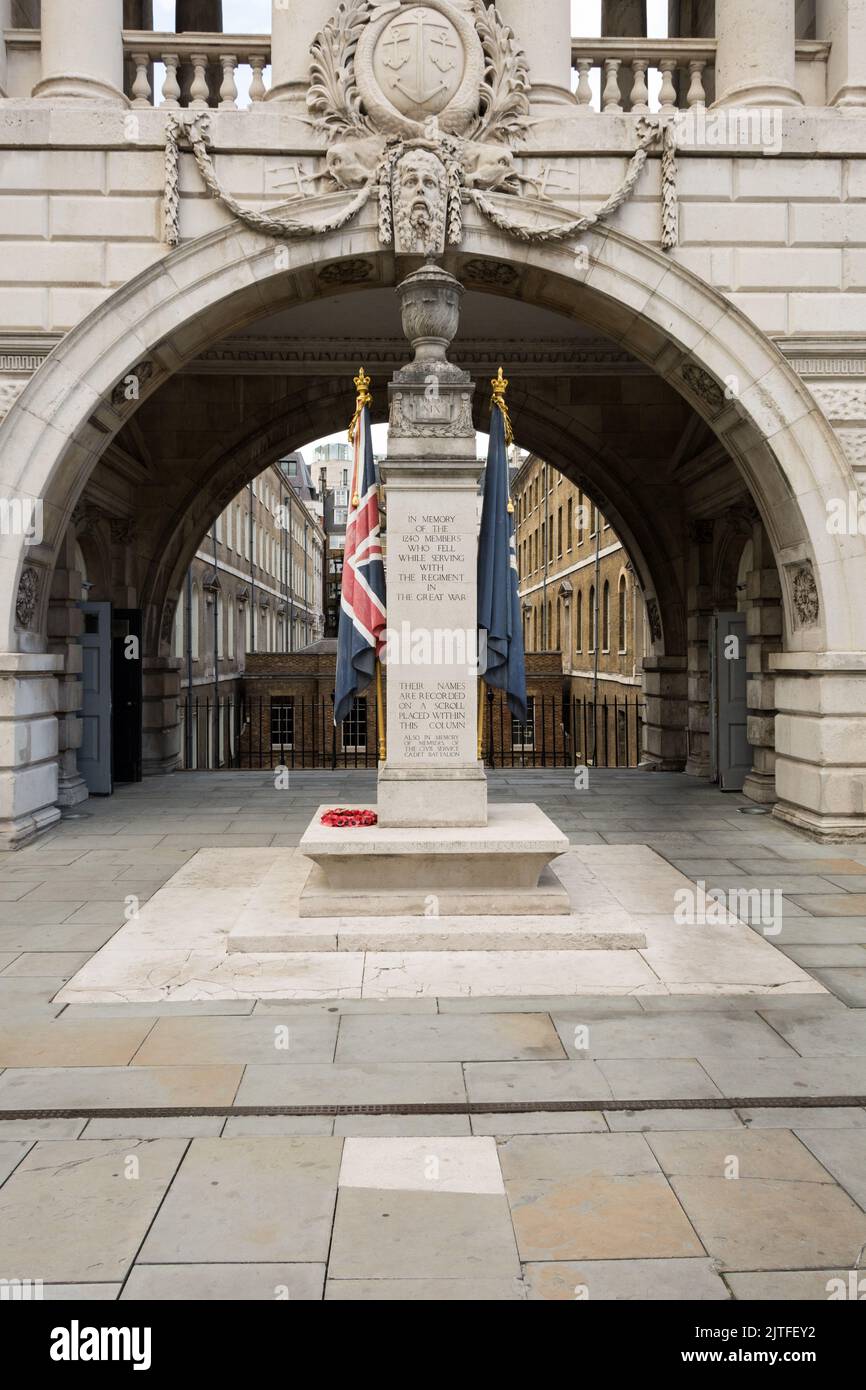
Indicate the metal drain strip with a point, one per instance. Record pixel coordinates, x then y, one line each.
519 1107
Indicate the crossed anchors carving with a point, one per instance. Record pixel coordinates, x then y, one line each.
432 44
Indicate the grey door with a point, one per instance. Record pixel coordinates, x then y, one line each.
94 755
730 753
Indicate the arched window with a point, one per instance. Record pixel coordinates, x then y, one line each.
592 617
177 637
230 619
535 629
605 617
578 623
559 625
622 614
548 628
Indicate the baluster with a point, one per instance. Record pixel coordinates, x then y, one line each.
171 86
668 93
141 88
610 98
584 91
696 94
228 90
639 100
257 85
199 91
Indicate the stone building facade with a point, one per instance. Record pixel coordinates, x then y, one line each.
676 294
256 584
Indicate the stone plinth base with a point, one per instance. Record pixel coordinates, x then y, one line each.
590 932
420 797
380 871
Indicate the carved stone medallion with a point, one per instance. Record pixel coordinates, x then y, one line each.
27 597
424 60
804 592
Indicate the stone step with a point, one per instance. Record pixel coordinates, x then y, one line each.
597 932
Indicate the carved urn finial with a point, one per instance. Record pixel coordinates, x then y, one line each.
430 308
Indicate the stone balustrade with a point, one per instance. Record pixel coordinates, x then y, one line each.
622 68
212 59
686 67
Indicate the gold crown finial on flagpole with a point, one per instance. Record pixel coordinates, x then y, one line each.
362 387
500 386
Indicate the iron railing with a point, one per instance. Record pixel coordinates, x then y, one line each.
239 732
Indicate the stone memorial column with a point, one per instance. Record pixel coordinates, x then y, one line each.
432 775
843 22
755 59
82 50
544 34
293 28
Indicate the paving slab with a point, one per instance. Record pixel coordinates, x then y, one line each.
425 1290
540 1122
400 1126
535 1081
275 1283
625 1280
81 1293
264 1040
490 1037
110 1088
815 1116
645 1121
248 1201
674 1078
343 1084
799 1076
156 1127
77 1043
592 1196
847 983
416 1235
40 1129
842 1152
772 1223
430 1164
824 1035
797 1286
240 1126
71 1214
681 1035
767 1153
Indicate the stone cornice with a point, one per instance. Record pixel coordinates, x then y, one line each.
831 357
291 356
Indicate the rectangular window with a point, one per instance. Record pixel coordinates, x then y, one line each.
283 722
523 731
355 727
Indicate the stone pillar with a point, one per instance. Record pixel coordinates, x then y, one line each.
755 60
293 28
699 600
843 22
160 718
764 625
821 742
666 700
432 775
82 50
544 34
28 745
5 23
65 625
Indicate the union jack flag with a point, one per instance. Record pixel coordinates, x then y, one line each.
362 599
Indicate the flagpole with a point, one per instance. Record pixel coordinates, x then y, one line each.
380 713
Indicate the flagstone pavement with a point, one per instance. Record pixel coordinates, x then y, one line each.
606 1200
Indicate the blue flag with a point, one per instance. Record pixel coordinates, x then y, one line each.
498 599
361 633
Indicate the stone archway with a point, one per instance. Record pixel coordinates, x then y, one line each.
708 350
